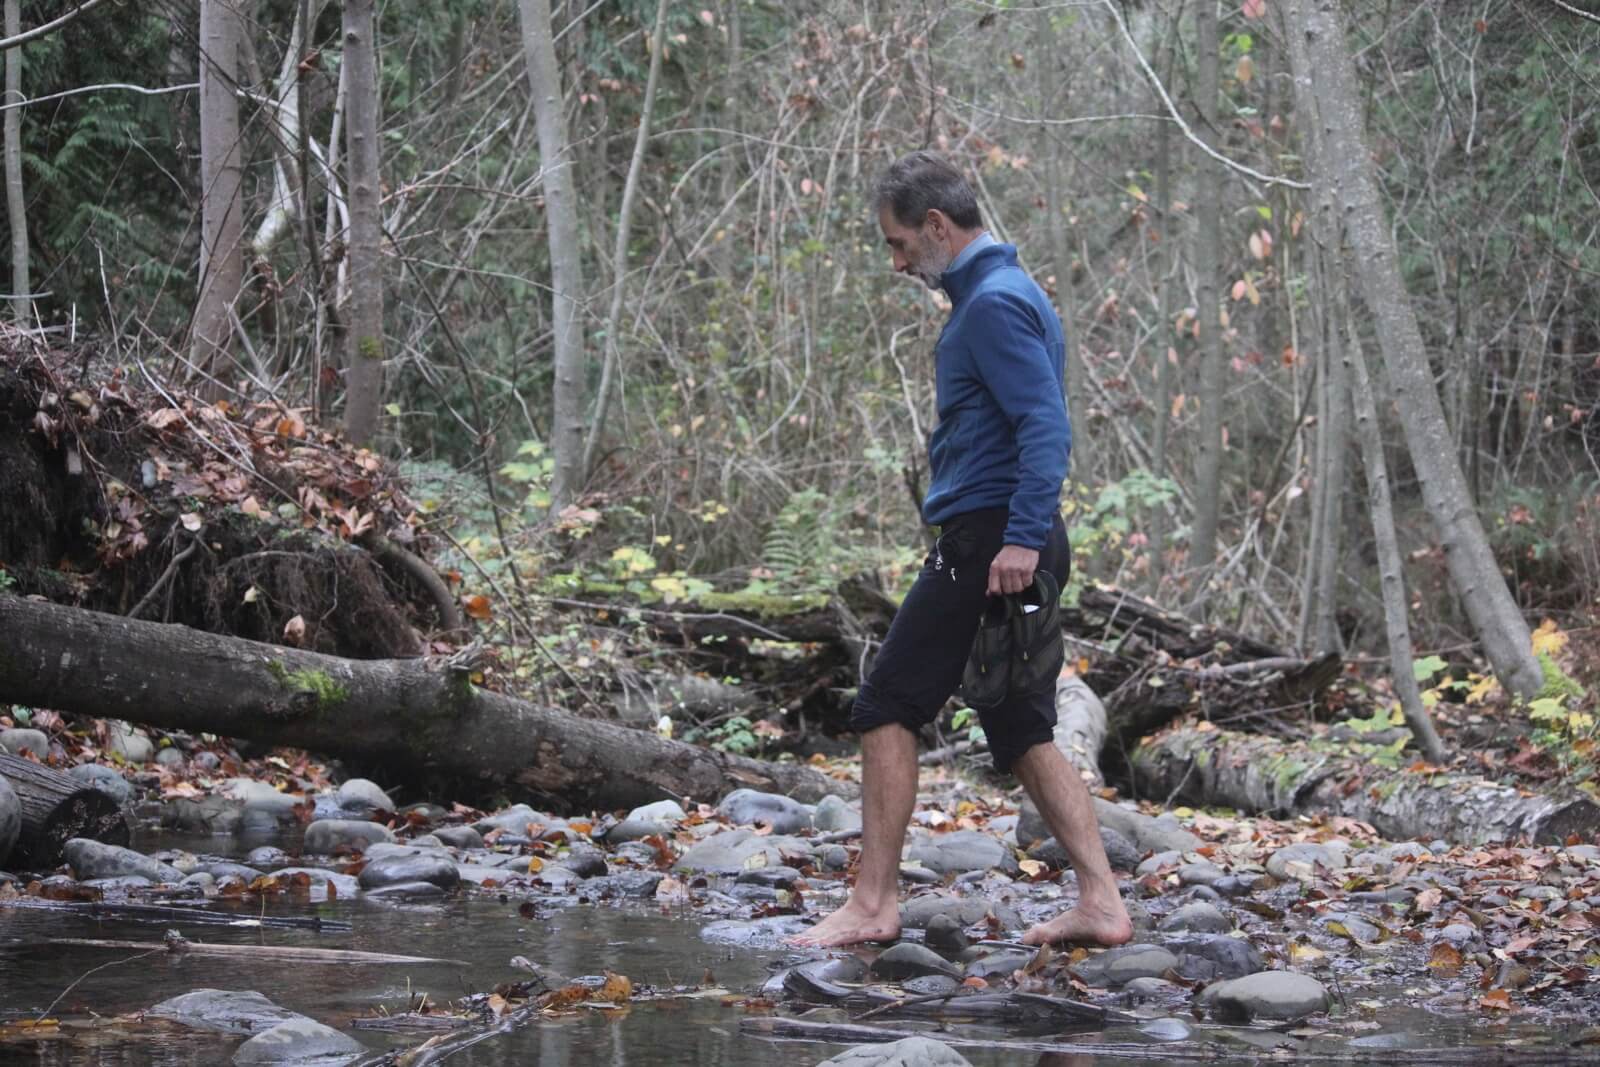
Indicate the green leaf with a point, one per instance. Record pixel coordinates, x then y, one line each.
1426 668
1547 709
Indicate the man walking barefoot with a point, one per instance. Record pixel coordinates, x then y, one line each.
997 459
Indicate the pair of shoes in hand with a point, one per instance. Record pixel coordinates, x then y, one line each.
1018 651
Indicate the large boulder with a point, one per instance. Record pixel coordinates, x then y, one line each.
362 795
1119 966
746 807
393 864
94 859
302 1042
326 836
227 1011
907 1052
1282 995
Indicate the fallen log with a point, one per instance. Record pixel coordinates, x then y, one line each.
417 715
1259 774
55 808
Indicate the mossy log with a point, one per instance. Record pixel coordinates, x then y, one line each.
417 716
1251 773
55 808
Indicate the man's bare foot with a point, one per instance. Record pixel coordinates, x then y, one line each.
1087 924
852 924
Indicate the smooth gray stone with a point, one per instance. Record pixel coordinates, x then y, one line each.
1458 934
631 829
635 885
930 985
206 761
225 1011
962 851
1200 874
1149 989
586 861
916 913
1297 860
1198 918
361 794
1394 894
226 868
833 857
425 841
131 744
907 1052
746 807
19 739
660 811
906 960
423 865
10 819
169 757
512 820
118 885
1119 966
1215 956
754 933
93 859
1120 852
343 885
834 814
732 851
945 933
325 836
1282 995
1358 928
105 779
1166 1029
920 876
302 1042
459 836
1152 864
772 877
266 857
201 879
407 891
1001 963
1233 885
201 815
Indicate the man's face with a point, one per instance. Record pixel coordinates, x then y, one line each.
920 251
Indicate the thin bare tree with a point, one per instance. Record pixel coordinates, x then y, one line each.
1208 266
364 318
221 186
16 204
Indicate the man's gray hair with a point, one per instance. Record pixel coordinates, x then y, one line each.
924 181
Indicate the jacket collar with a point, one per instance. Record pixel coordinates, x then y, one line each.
959 280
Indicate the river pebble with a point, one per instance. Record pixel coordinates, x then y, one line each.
746 807
303 1042
1198 918
834 814
906 960
1281 995
907 1052
228 1011
964 850
326 836
1119 966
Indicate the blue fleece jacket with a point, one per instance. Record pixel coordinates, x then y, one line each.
1003 436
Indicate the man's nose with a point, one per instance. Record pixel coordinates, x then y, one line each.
901 263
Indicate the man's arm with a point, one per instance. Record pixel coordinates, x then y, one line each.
1017 369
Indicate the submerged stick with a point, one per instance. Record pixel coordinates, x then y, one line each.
173 913
255 952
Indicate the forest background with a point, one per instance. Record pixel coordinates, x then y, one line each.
605 280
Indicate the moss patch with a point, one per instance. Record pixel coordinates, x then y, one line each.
329 693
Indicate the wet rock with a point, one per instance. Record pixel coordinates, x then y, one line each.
1202 893
1354 925
134 746
342 885
326 836
1215 956
118 886
1031 827
1200 874
17 740
833 857
635 852
1164 833
964 850
363 795
225 1011
917 874
459 836
1283 995
906 960
169 757
302 1042
585 861
104 779
755 933
1153 864
834 814
199 880
411 865
226 869
202 815
907 1052
1301 860
822 981
1166 1028
425 841
945 934
513 820
1198 918
1583 853
1120 852
662 818
916 913
1539 892
1392 895
266 857
1457 934
408 891
661 811
930 985
1143 989
1119 966
93 859
635 885
771 877
10 818
1233 885
1001 963
264 808
206 761
732 851
746 807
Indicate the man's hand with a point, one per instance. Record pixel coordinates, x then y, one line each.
1012 570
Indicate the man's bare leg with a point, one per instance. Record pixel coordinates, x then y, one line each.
888 793
1063 801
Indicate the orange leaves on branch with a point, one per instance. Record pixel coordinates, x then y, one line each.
477 606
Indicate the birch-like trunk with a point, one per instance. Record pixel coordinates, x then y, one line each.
16 205
566 263
221 187
364 319
1322 61
1077 382
1208 265
284 122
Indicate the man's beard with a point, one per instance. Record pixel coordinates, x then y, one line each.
930 263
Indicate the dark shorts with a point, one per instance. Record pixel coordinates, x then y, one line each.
921 661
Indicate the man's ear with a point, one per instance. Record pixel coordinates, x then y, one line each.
937 224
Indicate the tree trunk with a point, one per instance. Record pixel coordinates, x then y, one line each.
566 263
1322 60
619 256
1208 265
56 808
1166 338
364 321
1332 444
1391 571
284 126
16 205
413 715
1261 774
221 188
1077 384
